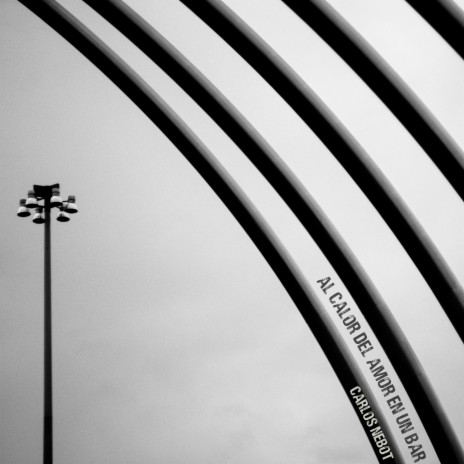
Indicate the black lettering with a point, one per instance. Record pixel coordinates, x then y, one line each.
395 404
405 423
367 345
383 383
348 320
378 374
410 438
341 313
324 284
388 389
366 350
337 295
360 338
414 449
373 363
339 306
354 327
419 456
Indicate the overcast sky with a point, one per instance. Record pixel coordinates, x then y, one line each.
173 340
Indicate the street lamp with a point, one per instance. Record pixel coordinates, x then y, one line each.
42 199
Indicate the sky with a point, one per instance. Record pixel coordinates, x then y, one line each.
172 338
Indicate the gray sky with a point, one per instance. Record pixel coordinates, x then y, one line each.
173 340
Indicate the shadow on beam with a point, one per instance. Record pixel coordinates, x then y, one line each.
387 85
446 18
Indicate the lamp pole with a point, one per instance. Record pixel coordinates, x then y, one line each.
49 195
48 404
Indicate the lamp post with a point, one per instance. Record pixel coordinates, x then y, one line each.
43 198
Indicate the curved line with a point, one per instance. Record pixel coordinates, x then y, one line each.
387 85
297 198
228 191
346 150
365 173
446 18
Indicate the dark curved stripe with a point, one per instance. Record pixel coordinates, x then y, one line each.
302 204
446 18
369 178
224 186
387 84
345 148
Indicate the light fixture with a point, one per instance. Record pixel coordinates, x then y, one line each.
70 206
23 211
63 217
39 216
31 201
55 200
43 198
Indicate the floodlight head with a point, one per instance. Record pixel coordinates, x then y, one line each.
55 200
63 217
31 201
39 216
23 211
71 206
